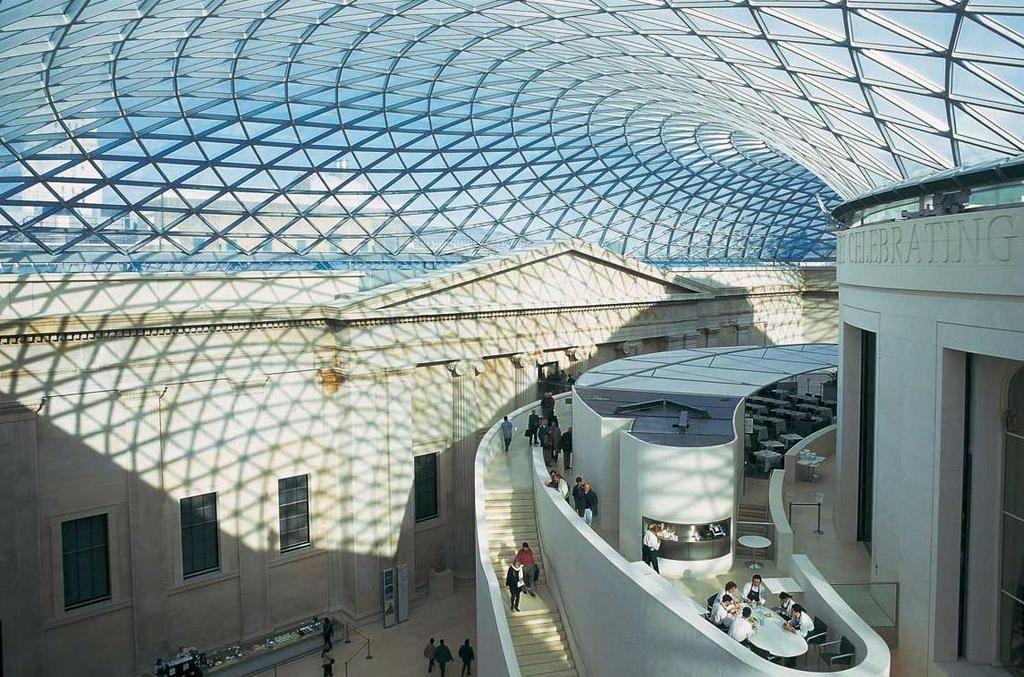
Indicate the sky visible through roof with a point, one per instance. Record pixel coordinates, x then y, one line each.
316 131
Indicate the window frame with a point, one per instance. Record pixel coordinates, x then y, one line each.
80 603
436 456
281 531
192 527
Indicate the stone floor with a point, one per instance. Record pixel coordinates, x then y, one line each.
397 651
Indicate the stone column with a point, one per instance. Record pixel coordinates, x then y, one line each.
464 442
577 356
525 366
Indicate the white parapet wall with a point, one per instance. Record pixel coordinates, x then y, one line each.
627 620
822 442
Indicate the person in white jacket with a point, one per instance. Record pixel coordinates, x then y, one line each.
722 613
741 628
800 622
755 591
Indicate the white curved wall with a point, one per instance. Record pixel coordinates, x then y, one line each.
595 443
684 485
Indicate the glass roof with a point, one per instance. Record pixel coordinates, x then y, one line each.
703 130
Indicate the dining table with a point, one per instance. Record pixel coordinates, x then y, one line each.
770 635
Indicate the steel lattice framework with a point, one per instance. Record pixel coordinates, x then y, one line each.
667 130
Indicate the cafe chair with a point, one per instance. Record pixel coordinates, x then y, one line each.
711 602
818 637
842 656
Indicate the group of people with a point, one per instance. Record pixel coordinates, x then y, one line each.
440 653
544 430
522 575
731 610
582 496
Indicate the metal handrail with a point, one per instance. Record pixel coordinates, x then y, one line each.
808 505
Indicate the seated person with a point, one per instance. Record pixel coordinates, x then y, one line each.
741 629
785 608
723 612
799 622
729 589
755 591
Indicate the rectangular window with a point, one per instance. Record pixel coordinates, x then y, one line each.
425 474
200 547
866 495
293 511
84 547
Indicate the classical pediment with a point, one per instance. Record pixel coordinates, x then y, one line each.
558 275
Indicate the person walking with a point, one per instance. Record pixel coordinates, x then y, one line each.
589 503
328 636
530 568
650 546
515 581
467 655
443 656
547 405
506 432
577 496
328 666
555 433
532 428
566 445
545 443
428 653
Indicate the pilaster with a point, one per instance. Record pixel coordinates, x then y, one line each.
525 369
464 442
375 469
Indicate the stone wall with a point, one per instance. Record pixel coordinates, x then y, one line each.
125 413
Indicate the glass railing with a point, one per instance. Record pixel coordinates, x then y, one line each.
877 602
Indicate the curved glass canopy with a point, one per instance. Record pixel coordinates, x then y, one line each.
703 130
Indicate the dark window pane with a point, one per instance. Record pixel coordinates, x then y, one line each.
425 480
293 511
85 561
1011 643
1013 482
200 551
1013 556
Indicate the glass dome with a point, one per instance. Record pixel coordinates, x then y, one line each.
222 131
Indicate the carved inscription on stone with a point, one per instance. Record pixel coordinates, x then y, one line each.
979 238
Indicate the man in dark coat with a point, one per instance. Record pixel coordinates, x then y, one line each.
467 655
532 428
443 656
566 445
577 496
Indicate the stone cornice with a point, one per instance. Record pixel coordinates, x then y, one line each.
67 336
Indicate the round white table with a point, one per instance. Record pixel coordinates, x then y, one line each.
755 543
770 636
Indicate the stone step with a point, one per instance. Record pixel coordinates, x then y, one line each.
540 656
560 673
530 633
548 668
520 620
511 524
507 541
553 641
